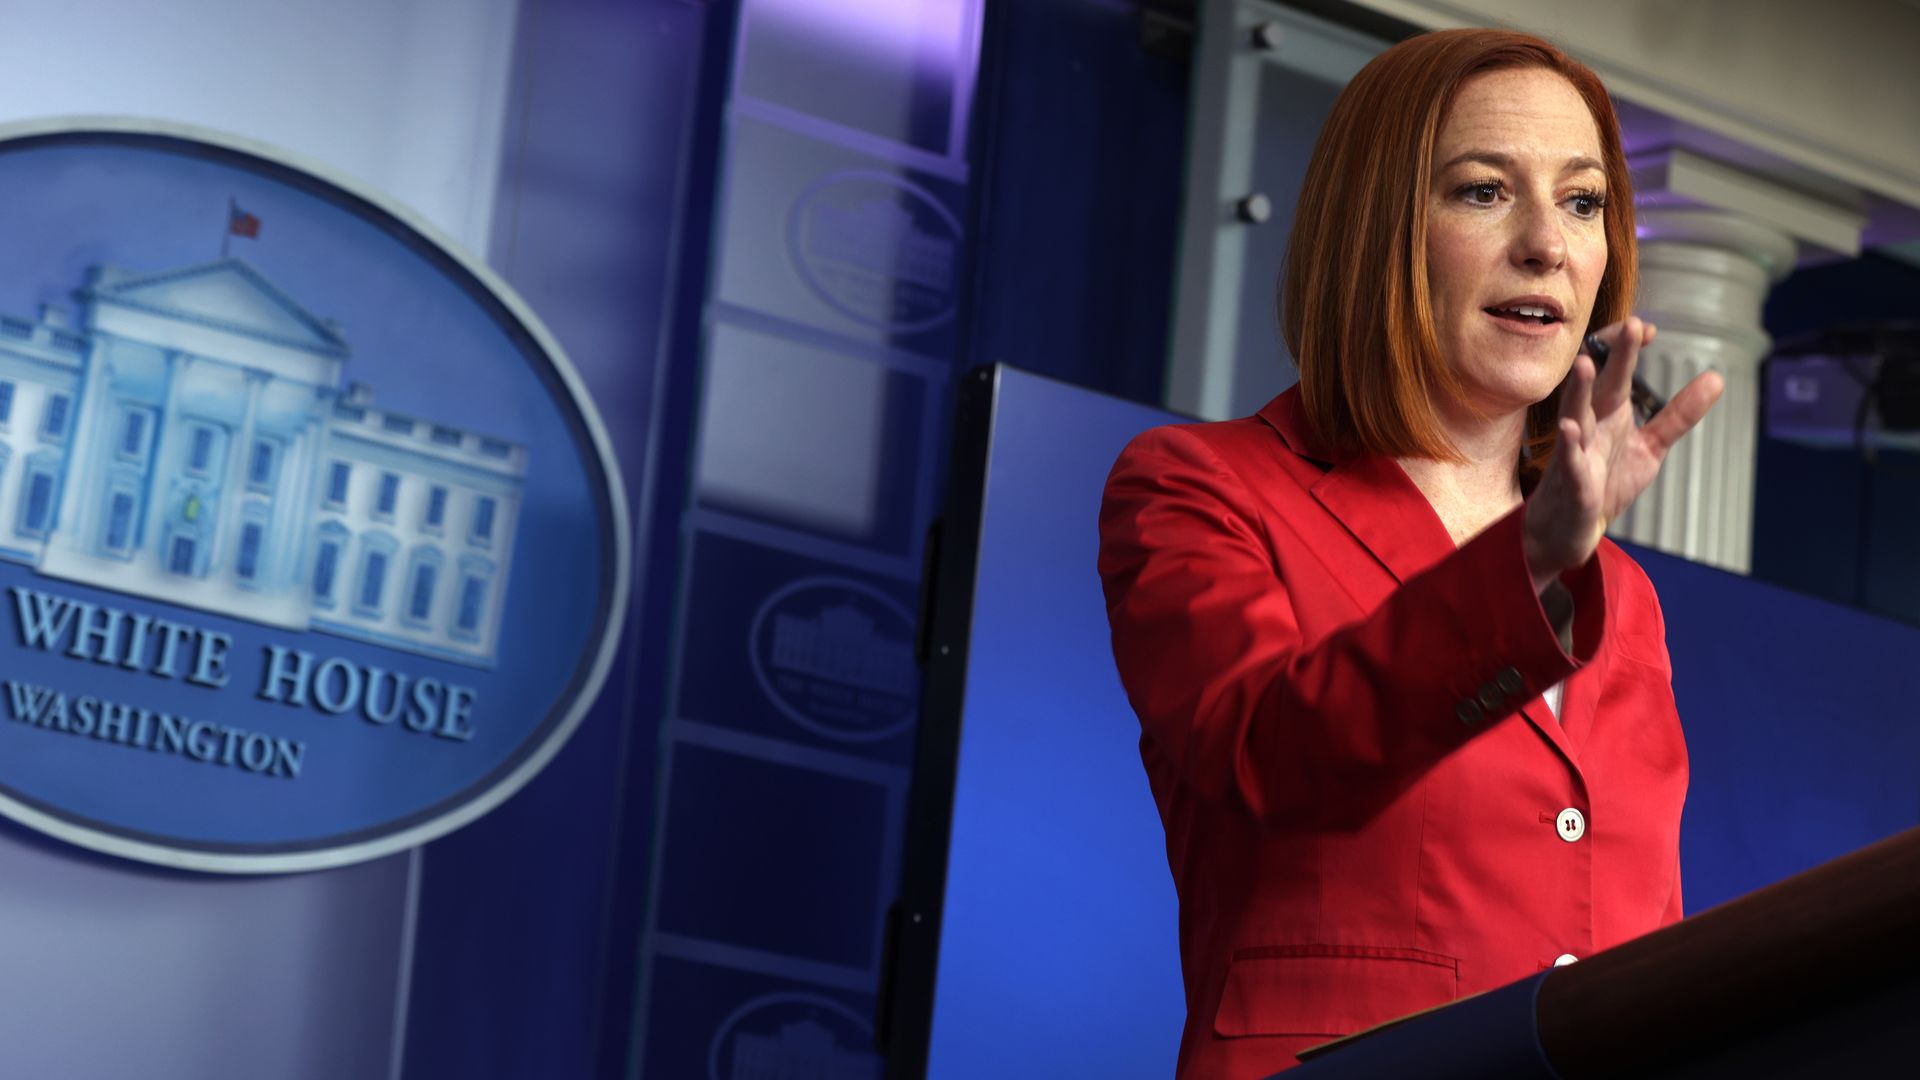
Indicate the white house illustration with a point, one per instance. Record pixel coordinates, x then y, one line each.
801 1051
189 440
844 645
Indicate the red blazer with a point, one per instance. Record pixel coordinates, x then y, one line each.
1368 807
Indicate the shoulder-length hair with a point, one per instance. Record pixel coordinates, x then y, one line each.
1355 305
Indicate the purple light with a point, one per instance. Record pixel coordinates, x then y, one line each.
934 38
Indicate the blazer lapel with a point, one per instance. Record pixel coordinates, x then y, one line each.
1369 494
1372 496
1555 730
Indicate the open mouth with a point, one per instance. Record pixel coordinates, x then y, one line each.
1526 313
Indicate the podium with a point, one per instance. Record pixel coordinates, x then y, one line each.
1816 975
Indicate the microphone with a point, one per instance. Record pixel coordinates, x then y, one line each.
1646 403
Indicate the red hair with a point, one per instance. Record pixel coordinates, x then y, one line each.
1355 305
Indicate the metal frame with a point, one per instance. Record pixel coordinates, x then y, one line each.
1228 61
904 1028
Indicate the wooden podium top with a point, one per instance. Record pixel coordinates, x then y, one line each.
1814 942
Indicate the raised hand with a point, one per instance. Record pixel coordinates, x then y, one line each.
1604 461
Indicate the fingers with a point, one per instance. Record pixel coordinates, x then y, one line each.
1585 417
1570 438
1613 388
1687 408
1576 399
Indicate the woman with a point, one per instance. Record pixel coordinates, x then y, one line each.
1406 714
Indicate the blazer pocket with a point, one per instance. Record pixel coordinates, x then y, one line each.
1329 989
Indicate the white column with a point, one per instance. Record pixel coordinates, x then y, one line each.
233 491
161 459
90 439
1704 275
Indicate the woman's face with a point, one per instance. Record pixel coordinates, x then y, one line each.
1514 230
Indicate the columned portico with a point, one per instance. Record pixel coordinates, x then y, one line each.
1704 277
1714 240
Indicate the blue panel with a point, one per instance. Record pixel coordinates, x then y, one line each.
1056 869
714 1023
1799 722
763 630
774 857
1082 161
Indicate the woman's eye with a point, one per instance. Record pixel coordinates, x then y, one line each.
1481 194
1588 205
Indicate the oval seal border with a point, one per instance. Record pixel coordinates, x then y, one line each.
598 451
778 997
766 686
803 265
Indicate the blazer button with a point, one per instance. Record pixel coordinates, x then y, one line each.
1572 825
1469 712
1510 680
1491 697
1564 959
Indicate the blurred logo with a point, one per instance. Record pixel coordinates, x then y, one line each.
793 1036
877 249
836 657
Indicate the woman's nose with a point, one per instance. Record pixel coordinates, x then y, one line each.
1538 242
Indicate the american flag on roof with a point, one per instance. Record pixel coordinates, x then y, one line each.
241 223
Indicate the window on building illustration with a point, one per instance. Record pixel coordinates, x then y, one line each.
36 502
6 401
120 522
399 425
180 555
133 433
423 579
473 599
445 436
373 582
260 461
326 565
200 449
483 520
389 495
246 563
436 508
420 598
53 424
337 484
